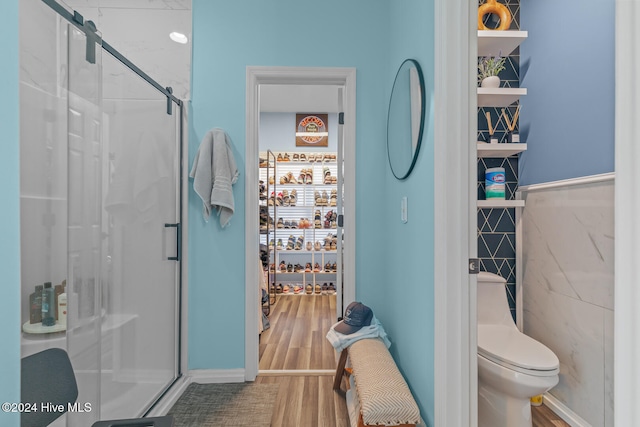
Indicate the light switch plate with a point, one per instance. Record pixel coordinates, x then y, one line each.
404 210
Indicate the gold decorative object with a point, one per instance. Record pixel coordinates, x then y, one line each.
492 6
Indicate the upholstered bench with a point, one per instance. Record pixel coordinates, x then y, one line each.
383 394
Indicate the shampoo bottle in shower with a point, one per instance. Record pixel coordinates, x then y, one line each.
62 309
48 305
35 306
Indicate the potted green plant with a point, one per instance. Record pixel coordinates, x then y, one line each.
488 69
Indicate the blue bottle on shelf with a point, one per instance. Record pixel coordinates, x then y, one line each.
48 305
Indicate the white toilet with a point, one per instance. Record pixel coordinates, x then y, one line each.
512 367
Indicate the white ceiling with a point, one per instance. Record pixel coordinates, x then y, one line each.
298 99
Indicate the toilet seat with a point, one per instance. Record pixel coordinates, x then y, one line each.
512 349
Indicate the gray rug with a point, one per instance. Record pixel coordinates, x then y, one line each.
225 405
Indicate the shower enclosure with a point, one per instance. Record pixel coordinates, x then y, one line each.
100 160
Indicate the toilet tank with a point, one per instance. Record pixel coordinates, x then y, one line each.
493 306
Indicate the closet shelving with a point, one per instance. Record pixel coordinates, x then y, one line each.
315 188
502 43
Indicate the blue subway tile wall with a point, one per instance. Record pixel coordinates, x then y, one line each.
496 226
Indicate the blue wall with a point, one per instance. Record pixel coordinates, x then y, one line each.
567 66
407 310
10 213
228 37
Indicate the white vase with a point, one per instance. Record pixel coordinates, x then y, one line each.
492 81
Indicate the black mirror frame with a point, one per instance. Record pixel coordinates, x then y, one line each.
422 118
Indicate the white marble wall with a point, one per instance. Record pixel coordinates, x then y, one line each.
139 30
568 289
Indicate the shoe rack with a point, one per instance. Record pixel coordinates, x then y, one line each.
299 221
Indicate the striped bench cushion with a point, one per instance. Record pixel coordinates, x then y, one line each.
385 398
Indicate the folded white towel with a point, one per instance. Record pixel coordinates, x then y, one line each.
214 171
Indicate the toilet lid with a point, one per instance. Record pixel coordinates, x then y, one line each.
508 346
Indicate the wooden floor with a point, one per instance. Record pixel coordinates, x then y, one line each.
296 338
545 417
307 400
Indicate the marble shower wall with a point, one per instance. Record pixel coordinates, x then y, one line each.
568 285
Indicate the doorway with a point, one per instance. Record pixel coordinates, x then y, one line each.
266 85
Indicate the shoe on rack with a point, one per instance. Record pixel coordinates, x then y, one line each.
332 289
279 246
327 267
316 268
309 246
286 289
283 267
309 289
280 158
317 246
318 288
325 288
334 267
299 243
289 268
307 267
297 289
291 243
309 176
293 198
333 198
291 178
296 157
279 289
327 242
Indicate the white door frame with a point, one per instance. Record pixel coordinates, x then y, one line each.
627 232
455 123
257 76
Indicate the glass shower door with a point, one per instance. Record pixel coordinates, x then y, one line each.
141 211
84 218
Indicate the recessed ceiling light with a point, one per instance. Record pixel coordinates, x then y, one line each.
179 37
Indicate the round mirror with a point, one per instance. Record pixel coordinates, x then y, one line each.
405 120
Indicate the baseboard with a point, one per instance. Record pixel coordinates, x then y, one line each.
170 397
214 376
570 417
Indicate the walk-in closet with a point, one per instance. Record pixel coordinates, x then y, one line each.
300 237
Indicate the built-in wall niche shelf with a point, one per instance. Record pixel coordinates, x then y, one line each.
500 96
500 150
494 43
497 203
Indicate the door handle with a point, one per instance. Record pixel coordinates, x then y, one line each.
178 228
